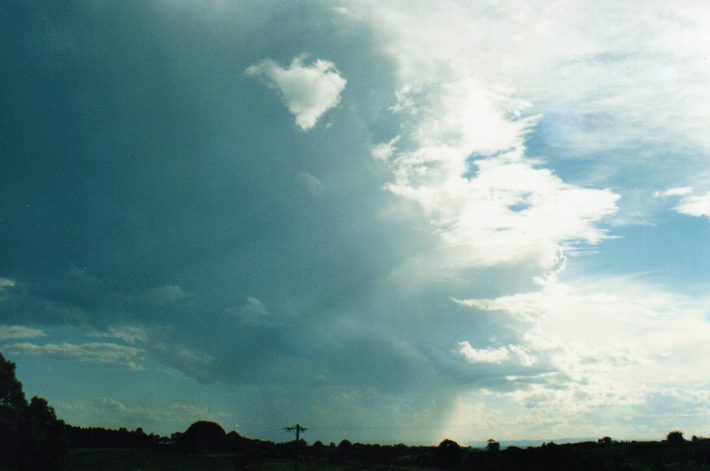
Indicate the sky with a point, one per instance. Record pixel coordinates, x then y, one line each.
388 221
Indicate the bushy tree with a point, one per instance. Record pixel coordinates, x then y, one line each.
448 453
605 441
43 443
12 399
675 438
12 403
203 435
31 436
492 446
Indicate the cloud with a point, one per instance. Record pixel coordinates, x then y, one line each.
165 294
613 343
188 361
255 307
484 355
680 191
611 77
479 109
689 203
110 412
90 352
8 332
501 208
469 73
6 283
312 184
386 150
695 205
308 90
129 334
495 355
464 160
121 413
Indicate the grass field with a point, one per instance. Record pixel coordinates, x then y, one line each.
143 460
151 460
636 457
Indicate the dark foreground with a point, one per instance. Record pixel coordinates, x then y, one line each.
152 460
629 456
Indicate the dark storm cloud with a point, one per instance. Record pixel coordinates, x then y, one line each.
154 194
148 181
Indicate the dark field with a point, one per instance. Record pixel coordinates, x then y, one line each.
159 460
631 456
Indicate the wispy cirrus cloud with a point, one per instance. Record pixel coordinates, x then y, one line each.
307 90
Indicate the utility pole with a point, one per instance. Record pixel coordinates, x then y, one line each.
298 429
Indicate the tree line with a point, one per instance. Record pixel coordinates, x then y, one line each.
33 438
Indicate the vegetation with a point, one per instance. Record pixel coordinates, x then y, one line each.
32 438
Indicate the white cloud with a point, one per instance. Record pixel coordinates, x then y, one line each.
308 90
464 160
558 56
8 332
499 209
603 344
504 354
679 191
129 334
6 283
695 205
385 150
94 352
470 72
483 355
689 204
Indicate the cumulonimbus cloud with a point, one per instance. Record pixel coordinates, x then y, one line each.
307 90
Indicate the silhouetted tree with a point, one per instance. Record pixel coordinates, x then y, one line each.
492 446
203 435
31 436
448 453
12 402
42 437
345 444
675 438
12 399
605 441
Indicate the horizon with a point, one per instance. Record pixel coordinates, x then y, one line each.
406 220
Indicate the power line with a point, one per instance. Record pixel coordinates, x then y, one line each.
298 429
